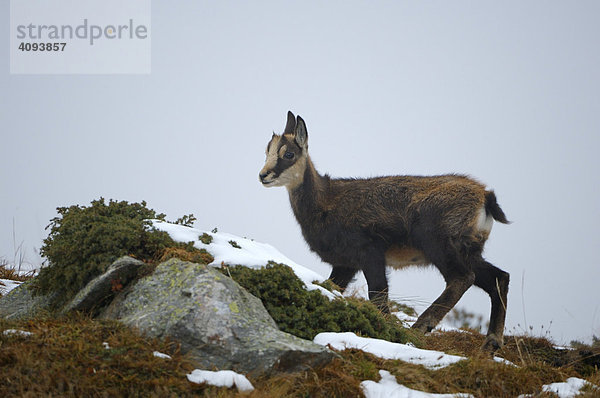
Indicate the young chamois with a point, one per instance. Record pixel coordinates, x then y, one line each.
366 224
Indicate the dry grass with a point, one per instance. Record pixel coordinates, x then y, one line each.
186 254
8 271
537 362
66 357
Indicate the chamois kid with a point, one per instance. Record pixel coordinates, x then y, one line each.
398 221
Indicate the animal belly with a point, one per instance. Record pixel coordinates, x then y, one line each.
401 257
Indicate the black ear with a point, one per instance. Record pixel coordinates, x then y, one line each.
301 133
291 123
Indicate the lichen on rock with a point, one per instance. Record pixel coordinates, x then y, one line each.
218 323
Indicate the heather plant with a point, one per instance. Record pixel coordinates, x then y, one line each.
84 240
306 313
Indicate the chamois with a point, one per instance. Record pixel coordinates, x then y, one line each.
398 221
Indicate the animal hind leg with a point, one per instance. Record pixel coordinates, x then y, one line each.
459 277
341 276
494 282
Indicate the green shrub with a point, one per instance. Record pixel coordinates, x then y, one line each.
306 313
205 238
84 241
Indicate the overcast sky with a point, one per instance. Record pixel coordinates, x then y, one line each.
508 92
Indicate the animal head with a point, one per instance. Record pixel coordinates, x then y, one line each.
286 155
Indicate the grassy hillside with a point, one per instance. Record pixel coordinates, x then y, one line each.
69 357
78 356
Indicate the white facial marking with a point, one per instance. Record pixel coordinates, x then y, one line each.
271 161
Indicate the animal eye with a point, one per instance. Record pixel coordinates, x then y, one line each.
288 155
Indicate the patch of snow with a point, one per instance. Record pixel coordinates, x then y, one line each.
568 389
357 287
161 355
387 350
388 387
251 254
407 320
444 327
6 285
564 348
504 361
11 332
221 378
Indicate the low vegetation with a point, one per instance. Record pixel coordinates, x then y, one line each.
84 240
68 357
79 356
7 271
306 313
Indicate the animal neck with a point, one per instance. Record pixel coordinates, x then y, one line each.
308 197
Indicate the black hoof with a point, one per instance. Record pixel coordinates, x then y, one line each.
491 344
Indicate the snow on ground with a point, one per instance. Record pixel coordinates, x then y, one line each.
568 389
250 254
387 350
387 387
15 332
6 285
221 378
256 255
161 355
407 320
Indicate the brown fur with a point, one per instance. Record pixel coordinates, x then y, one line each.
366 224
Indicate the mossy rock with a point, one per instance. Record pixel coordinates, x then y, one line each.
21 304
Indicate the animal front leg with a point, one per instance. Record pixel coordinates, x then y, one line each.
377 282
341 276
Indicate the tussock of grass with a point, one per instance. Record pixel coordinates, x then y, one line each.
10 272
187 253
537 362
66 357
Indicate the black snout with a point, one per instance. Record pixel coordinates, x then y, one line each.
262 177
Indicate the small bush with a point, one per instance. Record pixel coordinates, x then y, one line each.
187 253
206 238
84 241
306 313
187 220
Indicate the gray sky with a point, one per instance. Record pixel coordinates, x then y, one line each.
508 92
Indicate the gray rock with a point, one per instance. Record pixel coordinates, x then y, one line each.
217 322
20 303
101 289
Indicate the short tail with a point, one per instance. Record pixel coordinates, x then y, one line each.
492 207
